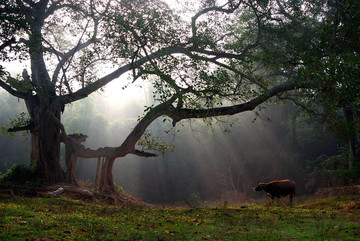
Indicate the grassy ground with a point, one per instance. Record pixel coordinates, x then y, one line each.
21 218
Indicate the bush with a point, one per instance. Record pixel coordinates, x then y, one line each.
21 174
194 201
332 171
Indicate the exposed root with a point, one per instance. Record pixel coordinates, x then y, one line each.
116 197
120 198
71 189
112 197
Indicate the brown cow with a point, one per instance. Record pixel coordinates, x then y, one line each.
278 188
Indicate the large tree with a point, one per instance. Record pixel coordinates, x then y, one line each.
318 42
211 64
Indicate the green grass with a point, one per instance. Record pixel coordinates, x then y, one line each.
24 218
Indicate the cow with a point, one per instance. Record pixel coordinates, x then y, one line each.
278 189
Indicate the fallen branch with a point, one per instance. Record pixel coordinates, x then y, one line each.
56 193
62 189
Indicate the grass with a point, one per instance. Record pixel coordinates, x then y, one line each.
23 218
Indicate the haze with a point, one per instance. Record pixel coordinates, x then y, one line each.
213 160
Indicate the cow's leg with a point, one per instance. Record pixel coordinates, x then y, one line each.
272 199
291 198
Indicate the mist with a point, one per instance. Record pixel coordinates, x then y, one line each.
214 159
219 159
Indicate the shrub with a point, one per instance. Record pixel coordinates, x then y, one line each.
21 174
194 201
332 171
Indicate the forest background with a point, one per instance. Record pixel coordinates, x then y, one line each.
224 160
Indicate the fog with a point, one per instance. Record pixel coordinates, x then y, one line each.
218 159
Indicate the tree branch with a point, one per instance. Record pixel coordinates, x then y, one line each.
231 9
70 54
56 6
178 114
7 43
138 131
84 92
28 127
302 106
13 92
142 153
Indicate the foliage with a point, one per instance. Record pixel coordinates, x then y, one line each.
321 219
315 42
21 174
150 142
20 120
333 170
11 21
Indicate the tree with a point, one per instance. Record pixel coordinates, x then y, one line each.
316 41
334 69
342 75
210 65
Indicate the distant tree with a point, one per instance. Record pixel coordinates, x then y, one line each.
17 150
316 42
210 65
340 95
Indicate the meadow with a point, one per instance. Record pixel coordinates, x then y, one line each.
26 218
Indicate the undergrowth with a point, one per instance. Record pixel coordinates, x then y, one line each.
24 218
21 174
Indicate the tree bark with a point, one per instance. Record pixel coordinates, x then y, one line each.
49 166
71 154
34 154
100 164
71 159
106 181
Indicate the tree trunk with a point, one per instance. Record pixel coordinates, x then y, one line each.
71 155
34 154
48 165
106 180
71 159
32 110
351 135
100 164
